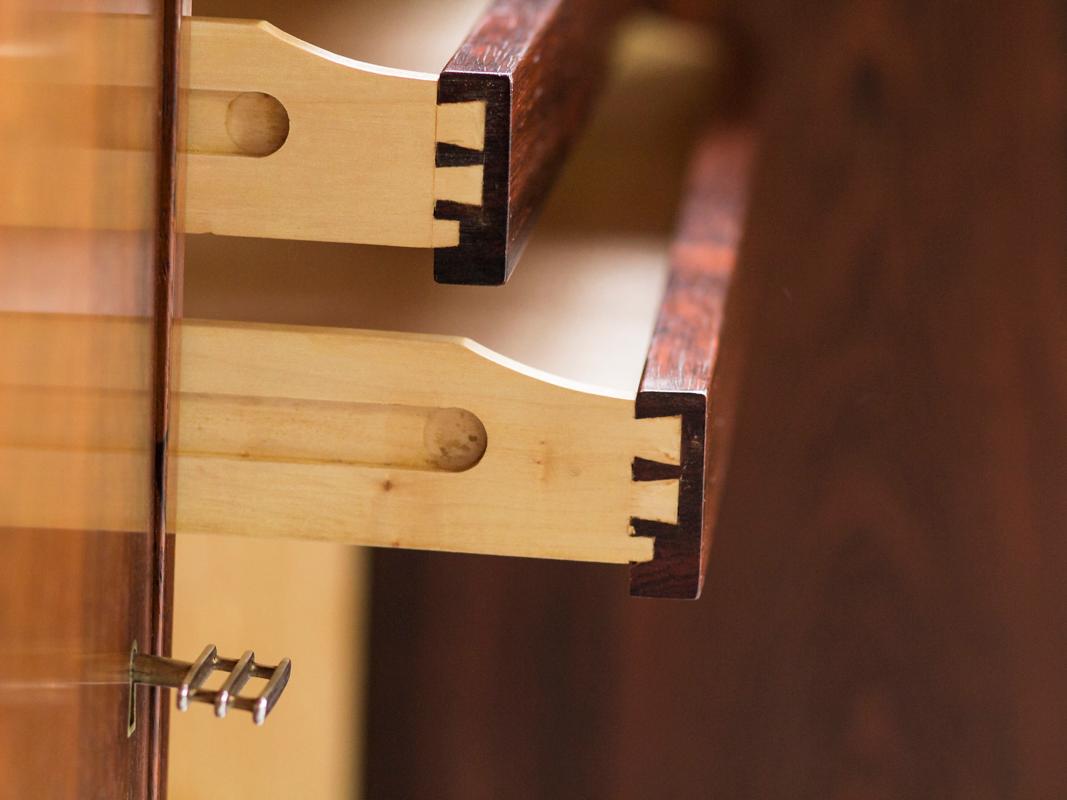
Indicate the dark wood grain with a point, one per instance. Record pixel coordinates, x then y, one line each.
681 364
533 678
884 614
537 64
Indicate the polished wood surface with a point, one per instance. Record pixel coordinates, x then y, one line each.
883 614
347 151
535 65
81 234
682 375
887 611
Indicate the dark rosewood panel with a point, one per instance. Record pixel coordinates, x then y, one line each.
537 64
884 614
682 360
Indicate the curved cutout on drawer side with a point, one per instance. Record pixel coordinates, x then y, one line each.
554 481
684 372
357 164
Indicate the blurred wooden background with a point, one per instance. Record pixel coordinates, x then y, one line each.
884 611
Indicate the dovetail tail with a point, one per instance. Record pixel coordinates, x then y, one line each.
459 184
462 125
656 500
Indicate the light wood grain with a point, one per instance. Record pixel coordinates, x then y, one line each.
284 140
554 481
356 163
76 420
361 437
284 598
331 432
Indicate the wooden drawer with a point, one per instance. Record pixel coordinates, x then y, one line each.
582 307
412 436
288 140
281 428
